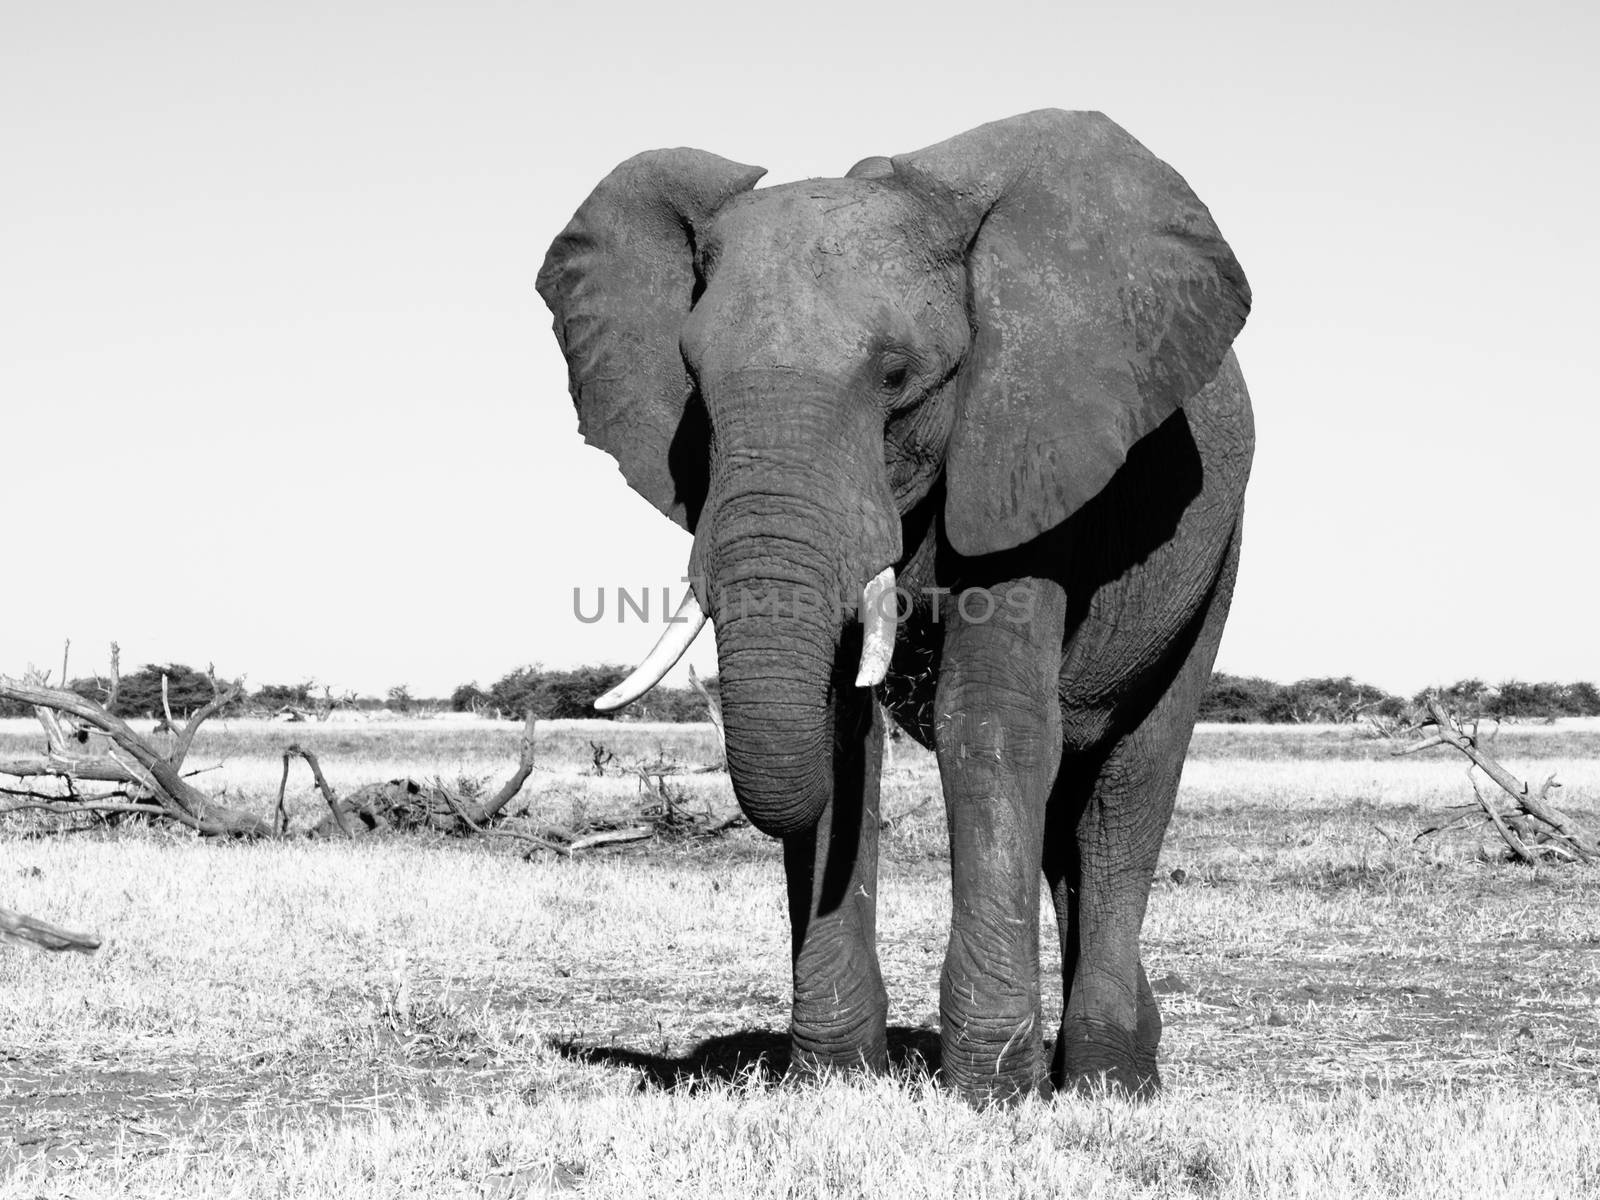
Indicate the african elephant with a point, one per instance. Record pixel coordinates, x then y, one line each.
962 429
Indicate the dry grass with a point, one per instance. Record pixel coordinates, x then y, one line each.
1348 1012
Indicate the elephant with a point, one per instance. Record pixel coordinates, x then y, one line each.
962 442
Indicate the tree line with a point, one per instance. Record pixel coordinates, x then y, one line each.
556 694
1244 698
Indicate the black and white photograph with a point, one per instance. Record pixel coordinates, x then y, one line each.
829 600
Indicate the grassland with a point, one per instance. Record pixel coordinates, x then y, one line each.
1349 1011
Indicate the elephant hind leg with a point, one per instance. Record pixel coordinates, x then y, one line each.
1110 1026
1108 816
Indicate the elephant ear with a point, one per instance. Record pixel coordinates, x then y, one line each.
620 279
1102 298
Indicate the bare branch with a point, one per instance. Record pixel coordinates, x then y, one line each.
1427 743
340 818
114 684
608 837
1509 838
496 831
22 930
55 735
67 808
152 769
166 707
220 699
97 768
281 823
1559 831
508 791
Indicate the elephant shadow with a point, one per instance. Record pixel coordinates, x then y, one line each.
758 1056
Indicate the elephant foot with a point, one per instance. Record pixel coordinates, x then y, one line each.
992 1071
807 1061
826 1043
1092 1055
813 1056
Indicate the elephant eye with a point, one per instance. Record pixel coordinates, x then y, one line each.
896 367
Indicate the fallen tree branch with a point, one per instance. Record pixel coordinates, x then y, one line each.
1533 826
138 762
22 930
65 808
94 769
497 831
1520 850
610 837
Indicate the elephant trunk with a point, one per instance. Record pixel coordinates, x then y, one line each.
778 648
799 517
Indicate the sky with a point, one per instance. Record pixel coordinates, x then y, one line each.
277 392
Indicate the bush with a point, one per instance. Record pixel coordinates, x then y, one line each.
469 697
674 704
140 693
1242 699
275 696
564 694
554 695
1515 700
1330 700
1582 699
1464 696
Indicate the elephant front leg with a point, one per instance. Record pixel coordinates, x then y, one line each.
999 746
840 1006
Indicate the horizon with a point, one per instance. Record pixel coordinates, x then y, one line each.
252 686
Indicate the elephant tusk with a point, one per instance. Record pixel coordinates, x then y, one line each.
877 642
682 629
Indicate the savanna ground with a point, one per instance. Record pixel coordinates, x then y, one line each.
1349 1011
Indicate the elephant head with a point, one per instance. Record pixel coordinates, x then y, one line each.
789 372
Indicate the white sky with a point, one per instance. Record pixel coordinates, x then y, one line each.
276 389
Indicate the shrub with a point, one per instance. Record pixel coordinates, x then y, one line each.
468 697
554 695
1338 700
1582 699
1242 699
564 694
674 704
139 694
274 696
1515 700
